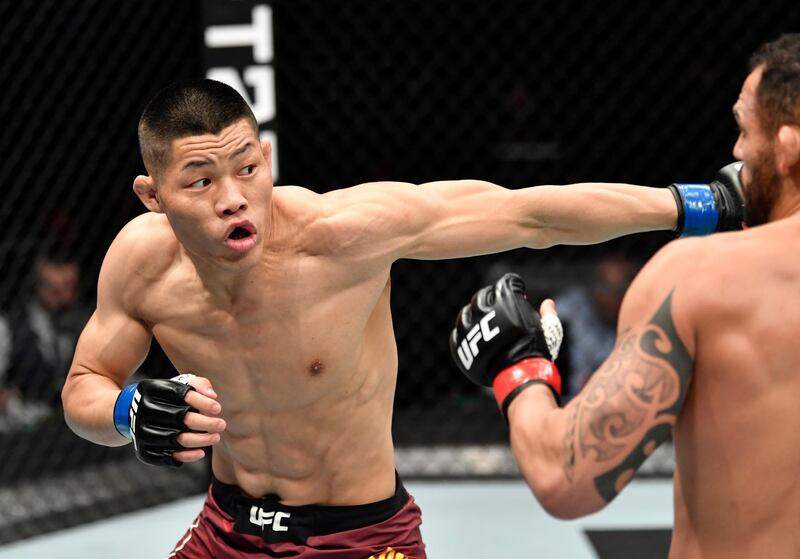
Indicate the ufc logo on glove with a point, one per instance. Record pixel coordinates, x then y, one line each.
468 349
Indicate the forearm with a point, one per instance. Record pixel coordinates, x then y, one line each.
588 213
542 448
88 400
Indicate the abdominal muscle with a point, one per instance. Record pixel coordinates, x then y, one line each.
326 453
305 371
312 427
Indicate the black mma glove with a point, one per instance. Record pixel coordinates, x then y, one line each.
151 413
708 208
499 341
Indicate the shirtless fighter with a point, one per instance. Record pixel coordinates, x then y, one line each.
707 349
280 298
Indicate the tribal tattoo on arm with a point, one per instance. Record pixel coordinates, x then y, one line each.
629 405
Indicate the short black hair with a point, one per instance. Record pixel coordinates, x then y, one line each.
778 94
188 108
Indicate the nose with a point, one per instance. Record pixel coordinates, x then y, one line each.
231 199
737 149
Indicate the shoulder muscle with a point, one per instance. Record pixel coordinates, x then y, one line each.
137 257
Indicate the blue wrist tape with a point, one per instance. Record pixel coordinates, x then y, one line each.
122 410
701 214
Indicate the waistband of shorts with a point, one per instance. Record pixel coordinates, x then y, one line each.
268 517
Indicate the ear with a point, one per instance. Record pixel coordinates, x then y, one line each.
788 149
145 188
266 149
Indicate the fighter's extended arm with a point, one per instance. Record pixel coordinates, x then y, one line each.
576 459
450 219
112 346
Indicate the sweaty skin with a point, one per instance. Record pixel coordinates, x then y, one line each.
295 332
707 348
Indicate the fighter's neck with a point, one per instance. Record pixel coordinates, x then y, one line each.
788 203
235 285
230 288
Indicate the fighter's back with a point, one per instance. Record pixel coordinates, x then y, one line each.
737 484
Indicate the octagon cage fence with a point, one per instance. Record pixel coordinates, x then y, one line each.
515 92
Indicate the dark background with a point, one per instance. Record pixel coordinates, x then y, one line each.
515 92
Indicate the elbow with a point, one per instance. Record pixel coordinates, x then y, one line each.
560 496
65 401
537 441
554 500
67 391
73 404
88 401
552 491
560 504
66 404
561 500
548 483
540 237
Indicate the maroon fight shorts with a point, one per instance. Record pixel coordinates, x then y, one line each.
232 525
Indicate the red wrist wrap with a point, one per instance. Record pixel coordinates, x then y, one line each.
510 380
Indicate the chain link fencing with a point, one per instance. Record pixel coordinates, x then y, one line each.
510 91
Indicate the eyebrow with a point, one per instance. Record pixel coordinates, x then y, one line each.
197 163
241 150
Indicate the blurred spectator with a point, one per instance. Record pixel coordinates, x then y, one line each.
589 314
37 339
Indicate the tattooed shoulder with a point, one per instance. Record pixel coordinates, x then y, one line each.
629 405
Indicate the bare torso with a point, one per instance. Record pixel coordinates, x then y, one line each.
737 484
303 359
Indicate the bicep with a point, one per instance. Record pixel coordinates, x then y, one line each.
471 218
114 342
445 219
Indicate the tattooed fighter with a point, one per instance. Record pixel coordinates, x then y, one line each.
707 349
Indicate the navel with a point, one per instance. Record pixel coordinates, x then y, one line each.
316 367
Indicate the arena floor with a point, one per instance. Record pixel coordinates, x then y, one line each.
463 519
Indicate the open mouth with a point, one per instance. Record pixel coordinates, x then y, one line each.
239 233
241 237
241 230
